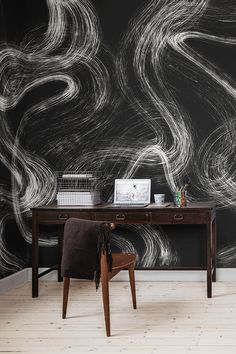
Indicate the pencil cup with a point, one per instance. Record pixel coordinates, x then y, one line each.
180 200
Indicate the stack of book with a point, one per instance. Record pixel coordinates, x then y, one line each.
73 197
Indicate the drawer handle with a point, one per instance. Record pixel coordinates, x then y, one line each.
63 217
120 217
178 217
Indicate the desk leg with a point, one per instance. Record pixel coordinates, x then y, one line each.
214 250
60 245
209 260
35 256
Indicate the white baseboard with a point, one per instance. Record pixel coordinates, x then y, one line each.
226 274
14 280
222 274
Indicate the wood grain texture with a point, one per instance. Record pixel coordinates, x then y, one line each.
172 317
194 214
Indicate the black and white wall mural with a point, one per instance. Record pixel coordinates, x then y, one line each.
132 88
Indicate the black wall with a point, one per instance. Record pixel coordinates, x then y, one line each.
129 88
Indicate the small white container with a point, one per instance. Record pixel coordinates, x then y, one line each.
159 199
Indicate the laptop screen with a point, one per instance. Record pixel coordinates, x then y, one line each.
132 191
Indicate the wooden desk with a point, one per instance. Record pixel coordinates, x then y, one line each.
194 214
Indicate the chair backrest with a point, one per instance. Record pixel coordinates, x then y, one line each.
84 242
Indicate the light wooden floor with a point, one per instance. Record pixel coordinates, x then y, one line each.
171 318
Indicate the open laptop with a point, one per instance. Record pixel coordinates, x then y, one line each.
132 192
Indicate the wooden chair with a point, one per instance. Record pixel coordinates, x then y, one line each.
120 261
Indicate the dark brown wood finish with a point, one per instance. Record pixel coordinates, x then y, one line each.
59 250
35 255
120 261
66 286
214 250
199 213
209 260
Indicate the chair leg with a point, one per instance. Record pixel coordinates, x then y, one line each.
106 305
105 295
66 285
105 292
132 284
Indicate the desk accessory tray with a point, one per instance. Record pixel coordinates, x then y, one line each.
78 188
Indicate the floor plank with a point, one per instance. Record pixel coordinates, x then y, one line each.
172 317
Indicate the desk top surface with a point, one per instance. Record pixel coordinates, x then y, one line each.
206 205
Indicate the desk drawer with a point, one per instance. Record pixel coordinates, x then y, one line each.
60 217
179 217
123 217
